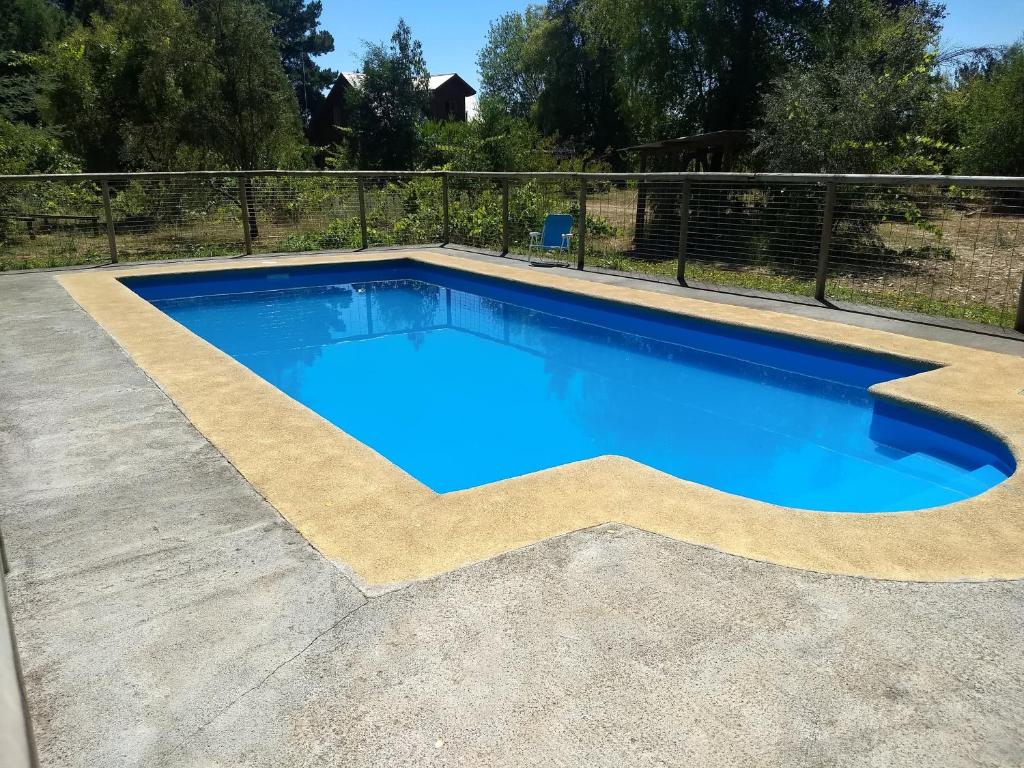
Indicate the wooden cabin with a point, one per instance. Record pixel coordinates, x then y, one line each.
448 94
447 101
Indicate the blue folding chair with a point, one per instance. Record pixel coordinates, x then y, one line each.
555 236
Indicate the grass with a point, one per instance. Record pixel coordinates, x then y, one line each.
836 290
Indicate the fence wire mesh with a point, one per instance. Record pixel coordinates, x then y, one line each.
175 217
612 243
755 236
302 213
47 223
760 236
951 248
404 210
507 214
951 251
475 212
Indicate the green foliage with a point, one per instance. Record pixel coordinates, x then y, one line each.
162 86
83 10
863 103
507 75
686 67
449 145
390 102
578 102
605 73
828 85
545 64
129 91
992 114
410 212
26 27
296 27
254 117
494 141
339 234
842 86
26 149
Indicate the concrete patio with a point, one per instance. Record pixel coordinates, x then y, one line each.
168 616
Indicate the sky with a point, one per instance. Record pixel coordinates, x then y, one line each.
452 32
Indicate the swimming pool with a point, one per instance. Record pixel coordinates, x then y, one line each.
463 380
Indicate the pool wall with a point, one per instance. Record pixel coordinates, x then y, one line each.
361 510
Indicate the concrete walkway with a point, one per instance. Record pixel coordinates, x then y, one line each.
167 616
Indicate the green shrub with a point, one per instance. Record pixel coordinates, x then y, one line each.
340 233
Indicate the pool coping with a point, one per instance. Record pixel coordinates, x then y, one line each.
362 511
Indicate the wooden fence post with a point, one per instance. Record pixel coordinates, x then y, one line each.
243 201
446 234
827 217
109 220
684 231
1018 324
364 238
581 240
504 216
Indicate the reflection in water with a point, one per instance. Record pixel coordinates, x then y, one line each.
461 390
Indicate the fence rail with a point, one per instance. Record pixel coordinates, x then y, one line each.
945 246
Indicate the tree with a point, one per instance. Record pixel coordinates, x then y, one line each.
493 141
255 118
83 10
296 26
27 149
133 90
864 101
26 27
745 44
992 122
390 102
579 101
684 66
603 73
504 75
544 65
161 86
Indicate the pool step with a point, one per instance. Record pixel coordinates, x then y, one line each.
950 475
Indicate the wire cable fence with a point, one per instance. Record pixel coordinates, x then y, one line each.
506 214
940 246
944 250
167 218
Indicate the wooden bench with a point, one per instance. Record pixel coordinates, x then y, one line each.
47 220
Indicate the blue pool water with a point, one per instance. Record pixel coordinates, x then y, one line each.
463 380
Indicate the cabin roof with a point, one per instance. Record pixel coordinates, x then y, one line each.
355 79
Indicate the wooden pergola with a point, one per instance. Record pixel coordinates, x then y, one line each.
715 151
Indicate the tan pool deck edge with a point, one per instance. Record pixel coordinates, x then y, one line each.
361 510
